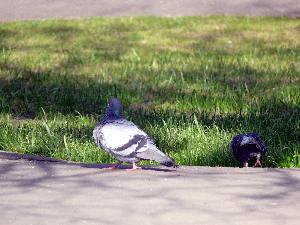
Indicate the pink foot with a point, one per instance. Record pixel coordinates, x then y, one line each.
134 167
258 163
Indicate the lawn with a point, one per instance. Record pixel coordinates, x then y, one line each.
191 83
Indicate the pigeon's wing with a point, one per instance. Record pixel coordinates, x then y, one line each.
122 138
235 145
137 143
260 142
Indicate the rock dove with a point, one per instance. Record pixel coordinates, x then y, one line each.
125 141
246 147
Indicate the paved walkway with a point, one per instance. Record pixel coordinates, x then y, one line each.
47 193
11 10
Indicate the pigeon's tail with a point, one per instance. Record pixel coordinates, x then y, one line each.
169 163
165 160
153 153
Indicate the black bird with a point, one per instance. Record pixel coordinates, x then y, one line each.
247 147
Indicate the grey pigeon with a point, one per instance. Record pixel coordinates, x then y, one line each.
125 141
247 147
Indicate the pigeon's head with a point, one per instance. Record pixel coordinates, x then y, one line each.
114 108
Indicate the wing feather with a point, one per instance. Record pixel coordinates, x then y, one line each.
120 137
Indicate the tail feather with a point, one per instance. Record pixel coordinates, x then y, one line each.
156 155
169 163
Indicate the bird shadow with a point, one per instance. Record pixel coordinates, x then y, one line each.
122 167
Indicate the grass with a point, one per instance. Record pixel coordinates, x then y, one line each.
192 83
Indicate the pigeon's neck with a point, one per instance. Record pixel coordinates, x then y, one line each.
109 118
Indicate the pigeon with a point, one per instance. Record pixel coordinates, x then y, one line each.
126 141
246 147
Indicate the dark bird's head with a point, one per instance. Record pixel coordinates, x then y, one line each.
114 108
247 147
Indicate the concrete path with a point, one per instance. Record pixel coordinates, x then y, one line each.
47 193
11 10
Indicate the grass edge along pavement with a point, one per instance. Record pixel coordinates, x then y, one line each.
191 83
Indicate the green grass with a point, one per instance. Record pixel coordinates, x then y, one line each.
192 83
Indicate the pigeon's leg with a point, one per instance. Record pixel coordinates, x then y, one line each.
114 166
245 164
134 167
258 163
